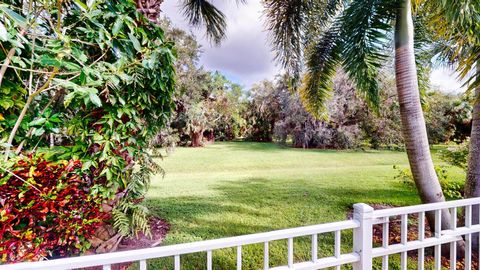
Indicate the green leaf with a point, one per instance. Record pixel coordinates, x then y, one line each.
135 42
38 122
6 103
71 66
81 5
68 99
109 174
17 18
18 60
47 60
95 99
117 26
3 32
86 165
79 55
38 132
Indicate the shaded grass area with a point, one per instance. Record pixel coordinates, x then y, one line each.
237 188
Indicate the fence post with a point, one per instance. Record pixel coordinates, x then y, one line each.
362 236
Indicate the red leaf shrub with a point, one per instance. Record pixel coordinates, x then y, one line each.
47 210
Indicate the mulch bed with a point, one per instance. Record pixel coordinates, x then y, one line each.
158 228
412 234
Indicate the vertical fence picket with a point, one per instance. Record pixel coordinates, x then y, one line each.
404 239
314 247
338 246
142 265
266 256
239 258
290 252
468 238
421 237
438 248
177 262
209 260
453 245
385 241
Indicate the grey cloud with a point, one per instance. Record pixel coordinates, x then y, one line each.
245 54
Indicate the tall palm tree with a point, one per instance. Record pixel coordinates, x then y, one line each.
198 13
356 35
457 26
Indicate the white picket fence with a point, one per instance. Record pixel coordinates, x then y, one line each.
364 218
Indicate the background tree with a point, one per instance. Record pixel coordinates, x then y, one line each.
456 25
262 111
206 102
354 34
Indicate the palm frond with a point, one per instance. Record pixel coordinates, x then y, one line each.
285 21
202 12
295 24
323 59
456 25
366 26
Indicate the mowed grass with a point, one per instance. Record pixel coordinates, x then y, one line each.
236 188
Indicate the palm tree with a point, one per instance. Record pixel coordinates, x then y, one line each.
356 35
457 26
198 13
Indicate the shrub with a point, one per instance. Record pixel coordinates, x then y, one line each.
451 189
48 210
456 154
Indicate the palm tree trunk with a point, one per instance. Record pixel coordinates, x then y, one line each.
413 122
472 185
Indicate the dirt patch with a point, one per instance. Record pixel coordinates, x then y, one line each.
158 229
394 236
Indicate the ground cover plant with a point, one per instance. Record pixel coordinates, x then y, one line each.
236 188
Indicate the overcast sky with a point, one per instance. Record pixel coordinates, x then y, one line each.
245 56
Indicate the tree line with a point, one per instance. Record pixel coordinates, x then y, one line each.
210 107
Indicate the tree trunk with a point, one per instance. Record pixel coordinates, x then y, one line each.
472 184
196 137
413 122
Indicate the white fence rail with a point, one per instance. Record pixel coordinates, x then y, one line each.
361 257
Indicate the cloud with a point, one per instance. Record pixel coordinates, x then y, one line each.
245 56
446 80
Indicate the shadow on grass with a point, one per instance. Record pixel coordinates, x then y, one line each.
276 147
278 204
260 205
254 146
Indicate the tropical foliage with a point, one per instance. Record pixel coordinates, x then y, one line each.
48 210
94 82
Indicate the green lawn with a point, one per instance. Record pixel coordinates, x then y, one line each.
236 188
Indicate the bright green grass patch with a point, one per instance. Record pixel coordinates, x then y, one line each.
237 188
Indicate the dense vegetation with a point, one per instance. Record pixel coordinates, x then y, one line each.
89 89
87 85
210 107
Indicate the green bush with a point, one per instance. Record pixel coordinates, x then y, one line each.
451 189
456 154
